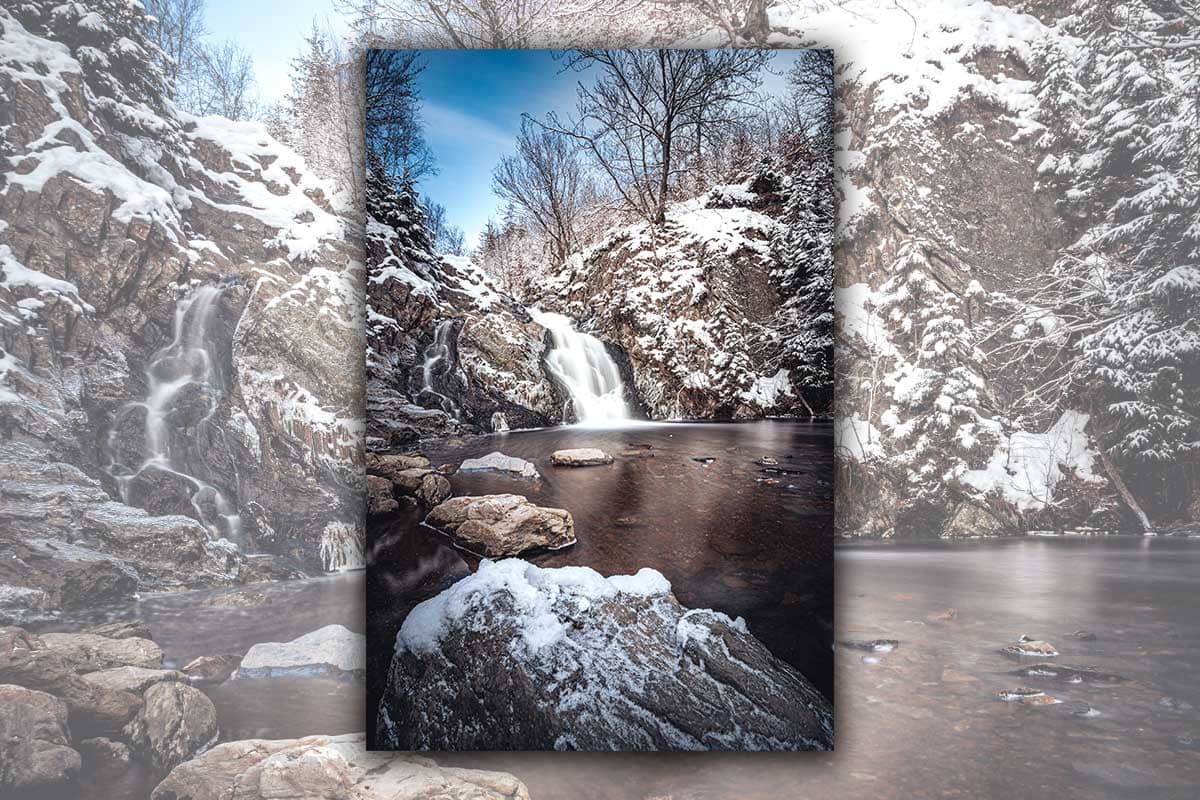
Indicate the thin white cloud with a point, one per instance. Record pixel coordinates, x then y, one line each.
453 124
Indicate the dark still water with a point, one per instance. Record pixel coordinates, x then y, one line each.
693 501
924 721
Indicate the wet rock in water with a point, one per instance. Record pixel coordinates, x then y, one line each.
872 645
1070 675
107 753
23 604
637 454
572 660
134 680
25 660
1083 636
1175 704
498 462
580 457
385 465
1027 696
628 522
945 615
134 629
767 461
327 767
427 486
331 650
209 670
502 524
175 722
89 652
706 460
35 748
1028 647
954 676
379 496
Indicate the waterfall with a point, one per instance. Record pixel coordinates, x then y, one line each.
583 365
438 363
189 363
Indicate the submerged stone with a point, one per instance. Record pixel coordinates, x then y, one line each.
499 462
580 457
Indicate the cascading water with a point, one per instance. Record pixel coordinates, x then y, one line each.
188 362
583 365
437 363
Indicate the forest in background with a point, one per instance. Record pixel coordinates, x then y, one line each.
1103 102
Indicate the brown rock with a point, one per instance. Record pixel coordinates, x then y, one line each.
207 670
318 767
34 744
502 524
379 495
175 722
26 660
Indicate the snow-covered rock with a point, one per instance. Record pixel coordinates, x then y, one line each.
499 462
331 649
327 766
502 524
681 302
576 661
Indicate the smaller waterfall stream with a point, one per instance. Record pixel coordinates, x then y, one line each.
437 363
188 361
582 363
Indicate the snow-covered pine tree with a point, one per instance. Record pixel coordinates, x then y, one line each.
1133 276
311 110
938 418
802 247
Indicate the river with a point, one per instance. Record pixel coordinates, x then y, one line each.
923 720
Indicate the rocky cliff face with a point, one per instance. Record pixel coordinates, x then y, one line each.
118 212
448 351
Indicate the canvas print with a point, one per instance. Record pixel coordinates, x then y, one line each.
599 357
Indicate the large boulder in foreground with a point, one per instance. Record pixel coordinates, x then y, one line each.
516 657
502 524
35 746
319 767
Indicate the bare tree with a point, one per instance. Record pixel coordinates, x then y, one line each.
645 103
392 112
476 23
222 82
546 182
741 20
177 29
203 78
446 238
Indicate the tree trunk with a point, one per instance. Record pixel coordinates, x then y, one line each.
1110 469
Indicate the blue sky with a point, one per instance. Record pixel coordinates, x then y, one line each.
472 100
472 103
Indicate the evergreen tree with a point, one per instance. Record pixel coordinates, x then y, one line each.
939 413
311 111
1134 273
